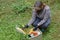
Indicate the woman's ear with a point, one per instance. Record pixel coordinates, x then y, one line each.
43 5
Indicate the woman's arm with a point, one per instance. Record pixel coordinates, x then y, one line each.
33 17
46 16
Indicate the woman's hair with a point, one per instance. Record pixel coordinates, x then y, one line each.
38 4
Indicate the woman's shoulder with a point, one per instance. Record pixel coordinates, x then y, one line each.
47 7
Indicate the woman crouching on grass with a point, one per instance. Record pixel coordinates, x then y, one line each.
40 16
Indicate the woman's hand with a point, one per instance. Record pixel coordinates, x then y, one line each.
35 28
26 26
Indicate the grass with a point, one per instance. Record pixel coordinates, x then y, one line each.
9 19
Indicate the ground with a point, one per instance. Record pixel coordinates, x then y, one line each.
9 19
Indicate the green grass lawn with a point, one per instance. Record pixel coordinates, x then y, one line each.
9 19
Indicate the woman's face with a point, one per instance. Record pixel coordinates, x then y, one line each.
37 8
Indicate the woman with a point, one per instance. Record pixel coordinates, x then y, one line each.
40 16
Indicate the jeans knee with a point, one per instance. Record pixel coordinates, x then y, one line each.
45 26
34 24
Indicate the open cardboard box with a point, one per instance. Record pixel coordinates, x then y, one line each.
31 34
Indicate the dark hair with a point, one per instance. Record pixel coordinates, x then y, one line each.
38 4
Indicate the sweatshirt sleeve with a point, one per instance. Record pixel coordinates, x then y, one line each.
46 16
33 17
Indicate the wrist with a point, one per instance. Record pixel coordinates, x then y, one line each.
38 24
27 26
34 29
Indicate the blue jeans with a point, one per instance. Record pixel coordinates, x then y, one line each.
43 26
